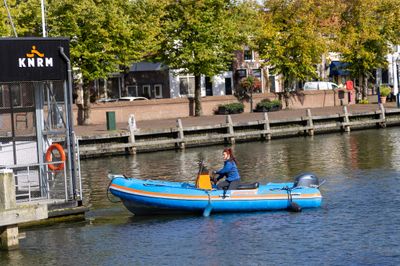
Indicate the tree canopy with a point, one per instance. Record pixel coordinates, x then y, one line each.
368 30
296 35
200 36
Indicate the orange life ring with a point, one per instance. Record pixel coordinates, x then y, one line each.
59 148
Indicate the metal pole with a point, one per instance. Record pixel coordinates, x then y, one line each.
43 19
395 79
70 133
10 18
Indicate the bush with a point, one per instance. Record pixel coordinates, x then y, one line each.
230 108
364 101
385 91
247 86
267 105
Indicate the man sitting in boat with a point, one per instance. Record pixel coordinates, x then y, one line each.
229 171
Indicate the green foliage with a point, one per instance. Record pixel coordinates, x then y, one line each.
267 105
294 38
200 36
230 108
385 90
368 29
247 86
250 83
363 101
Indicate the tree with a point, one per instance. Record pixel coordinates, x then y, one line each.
200 36
369 28
6 29
106 37
296 34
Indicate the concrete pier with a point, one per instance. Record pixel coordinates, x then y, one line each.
12 214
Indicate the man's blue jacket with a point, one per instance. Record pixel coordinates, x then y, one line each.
229 171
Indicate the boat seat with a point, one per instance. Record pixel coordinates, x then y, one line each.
248 186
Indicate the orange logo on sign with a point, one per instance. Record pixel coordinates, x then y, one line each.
31 61
34 52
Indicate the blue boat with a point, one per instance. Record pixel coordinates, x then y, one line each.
144 197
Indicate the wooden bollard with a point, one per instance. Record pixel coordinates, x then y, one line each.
346 122
231 132
310 123
267 127
132 129
12 214
181 136
382 116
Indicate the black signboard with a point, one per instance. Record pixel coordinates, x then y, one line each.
33 59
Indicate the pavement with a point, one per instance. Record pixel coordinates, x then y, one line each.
286 114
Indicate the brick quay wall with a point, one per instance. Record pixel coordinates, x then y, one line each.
183 107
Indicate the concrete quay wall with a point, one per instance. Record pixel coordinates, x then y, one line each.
228 131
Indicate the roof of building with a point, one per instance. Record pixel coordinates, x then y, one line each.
147 66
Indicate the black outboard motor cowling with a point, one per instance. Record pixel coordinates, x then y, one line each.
306 180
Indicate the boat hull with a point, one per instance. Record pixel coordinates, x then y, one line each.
148 197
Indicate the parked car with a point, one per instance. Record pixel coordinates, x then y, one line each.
320 85
106 100
131 99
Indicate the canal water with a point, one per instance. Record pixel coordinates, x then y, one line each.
358 223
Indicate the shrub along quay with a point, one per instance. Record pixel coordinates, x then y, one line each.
227 129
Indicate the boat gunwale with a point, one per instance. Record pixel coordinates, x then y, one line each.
172 196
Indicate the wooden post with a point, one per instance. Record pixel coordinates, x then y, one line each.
310 123
181 136
346 122
9 233
230 129
267 127
132 129
382 116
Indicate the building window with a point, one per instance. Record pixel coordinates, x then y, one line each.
257 73
158 90
241 73
2 97
186 85
248 55
133 91
146 91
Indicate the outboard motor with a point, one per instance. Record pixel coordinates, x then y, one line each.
306 180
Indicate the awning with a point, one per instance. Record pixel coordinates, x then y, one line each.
337 68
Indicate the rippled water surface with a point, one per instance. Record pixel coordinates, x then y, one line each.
358 224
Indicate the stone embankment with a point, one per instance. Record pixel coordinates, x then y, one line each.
154 135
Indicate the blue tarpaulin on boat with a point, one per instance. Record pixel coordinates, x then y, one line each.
337 68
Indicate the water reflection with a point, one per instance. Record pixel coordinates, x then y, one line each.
357 224
278 160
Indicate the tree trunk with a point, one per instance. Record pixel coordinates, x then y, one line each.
79 103
86 105
365 88
197 95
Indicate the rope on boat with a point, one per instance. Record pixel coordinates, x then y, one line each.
292 206
108 193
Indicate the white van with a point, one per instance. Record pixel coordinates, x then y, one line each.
320 85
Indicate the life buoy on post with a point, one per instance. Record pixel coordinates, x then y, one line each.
59 148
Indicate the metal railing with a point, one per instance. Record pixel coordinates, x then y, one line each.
31 187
